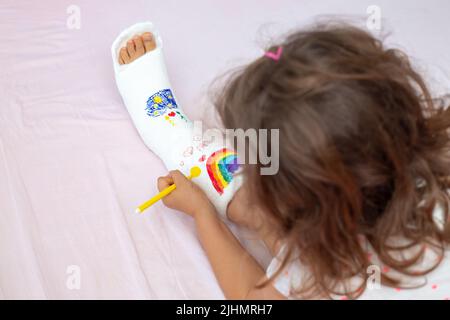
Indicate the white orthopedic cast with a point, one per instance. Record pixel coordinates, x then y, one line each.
165 129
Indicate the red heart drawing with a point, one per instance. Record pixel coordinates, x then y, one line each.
172 114
202 158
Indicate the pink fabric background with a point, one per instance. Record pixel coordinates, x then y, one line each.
72 166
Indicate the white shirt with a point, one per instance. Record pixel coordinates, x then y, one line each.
434 285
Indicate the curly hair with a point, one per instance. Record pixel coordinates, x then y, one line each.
364 152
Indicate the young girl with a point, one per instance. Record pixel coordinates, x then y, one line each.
361 196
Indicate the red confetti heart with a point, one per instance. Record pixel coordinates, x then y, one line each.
434 286
202 158
172 114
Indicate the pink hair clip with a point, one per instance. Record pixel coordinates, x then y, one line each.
274 55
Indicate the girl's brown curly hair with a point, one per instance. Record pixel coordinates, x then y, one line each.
364 151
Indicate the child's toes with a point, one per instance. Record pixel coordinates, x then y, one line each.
131 50
149 41
137 47
139 44
124 56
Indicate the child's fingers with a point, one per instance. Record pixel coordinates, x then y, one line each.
164 182
178 178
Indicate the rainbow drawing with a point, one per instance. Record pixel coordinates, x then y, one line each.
221 165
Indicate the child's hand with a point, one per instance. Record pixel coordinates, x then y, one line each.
187 197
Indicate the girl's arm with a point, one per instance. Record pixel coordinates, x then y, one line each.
236 270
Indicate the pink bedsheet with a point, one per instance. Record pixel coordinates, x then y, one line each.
72 166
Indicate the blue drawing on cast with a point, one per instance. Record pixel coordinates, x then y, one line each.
159 102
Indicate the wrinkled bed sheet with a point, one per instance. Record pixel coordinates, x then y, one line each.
72 166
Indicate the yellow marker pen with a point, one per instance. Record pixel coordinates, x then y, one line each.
195 172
